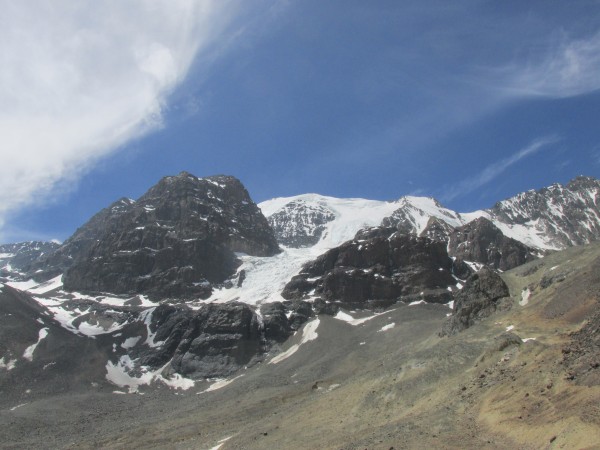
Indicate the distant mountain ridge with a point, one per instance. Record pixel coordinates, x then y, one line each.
551 218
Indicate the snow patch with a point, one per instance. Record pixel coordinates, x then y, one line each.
28 354
220 443
119 374
418 302
389 326
220 383
309 333
7 363
510 328
131 342
352 321
18 406
525 295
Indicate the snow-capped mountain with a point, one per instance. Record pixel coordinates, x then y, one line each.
134 259
551 218
555 217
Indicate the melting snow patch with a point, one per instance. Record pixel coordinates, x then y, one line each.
28 354
553 268
220 443
8 364
47 286
510 328
309 333
529 339
220 383
352 321
450 304
389 326
147 318
362 343
417 302
131 342
18 406
118 374
525 294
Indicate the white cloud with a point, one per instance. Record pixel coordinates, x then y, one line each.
496 169
79 79
568 68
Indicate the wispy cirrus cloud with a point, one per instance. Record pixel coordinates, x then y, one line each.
567 68
494 170
80 79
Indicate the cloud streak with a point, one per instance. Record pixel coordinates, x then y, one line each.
568 68
80 79
494 170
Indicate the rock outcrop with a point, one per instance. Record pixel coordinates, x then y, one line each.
177 240
378 268
215 341
483 294
481 241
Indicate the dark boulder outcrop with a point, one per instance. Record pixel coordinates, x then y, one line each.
275 321
177 240
481 241
483 294
378 268
215 341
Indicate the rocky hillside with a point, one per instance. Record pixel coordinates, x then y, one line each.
522 377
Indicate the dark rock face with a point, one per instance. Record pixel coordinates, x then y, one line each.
299 224
481 241
483 294
177 240
79 244
15 259
378 268
214 341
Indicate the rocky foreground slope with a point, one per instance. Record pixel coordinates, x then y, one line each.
526 377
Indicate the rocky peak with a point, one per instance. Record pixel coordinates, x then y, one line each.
178 239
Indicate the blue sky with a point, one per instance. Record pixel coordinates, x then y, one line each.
468 101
